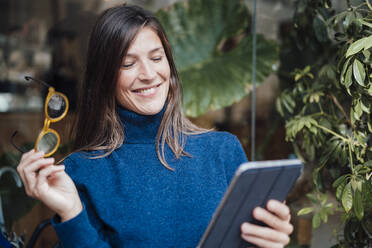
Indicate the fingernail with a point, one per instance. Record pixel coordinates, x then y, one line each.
258 212
246 227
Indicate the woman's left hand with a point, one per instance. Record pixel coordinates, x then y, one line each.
276 233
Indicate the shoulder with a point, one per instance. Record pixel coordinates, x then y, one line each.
215 137
218 141
223 148
76 158
80 163
224 144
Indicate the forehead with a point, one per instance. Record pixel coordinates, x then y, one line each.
145 41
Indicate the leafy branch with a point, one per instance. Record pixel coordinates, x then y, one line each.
327 109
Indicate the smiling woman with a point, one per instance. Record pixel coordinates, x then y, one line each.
143 81
129 57
141 175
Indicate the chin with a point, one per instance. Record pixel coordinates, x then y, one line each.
153 110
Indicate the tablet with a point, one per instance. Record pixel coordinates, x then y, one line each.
254 183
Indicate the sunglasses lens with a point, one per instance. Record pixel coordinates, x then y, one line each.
47 143
56 106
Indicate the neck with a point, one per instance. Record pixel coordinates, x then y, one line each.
140 128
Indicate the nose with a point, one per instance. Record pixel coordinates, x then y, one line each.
147 72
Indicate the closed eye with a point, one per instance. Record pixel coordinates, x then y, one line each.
128 65
156 59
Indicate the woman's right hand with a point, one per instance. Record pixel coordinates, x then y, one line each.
50 184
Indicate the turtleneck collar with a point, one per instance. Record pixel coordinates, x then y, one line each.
139 128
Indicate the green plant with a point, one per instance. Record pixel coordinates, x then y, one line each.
213 52
327 109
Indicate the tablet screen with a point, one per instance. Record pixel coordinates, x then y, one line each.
253 185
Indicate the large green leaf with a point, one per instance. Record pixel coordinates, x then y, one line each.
316 220
347 198
212 76
340 190
357 46
339 181
359 72
348 77
305 211
358 205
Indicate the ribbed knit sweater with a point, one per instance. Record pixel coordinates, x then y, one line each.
131 200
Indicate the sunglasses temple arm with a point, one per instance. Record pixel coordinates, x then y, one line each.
12 141
28 78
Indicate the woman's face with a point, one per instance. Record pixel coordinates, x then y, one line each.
143 81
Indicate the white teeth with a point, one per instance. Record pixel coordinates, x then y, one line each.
147 91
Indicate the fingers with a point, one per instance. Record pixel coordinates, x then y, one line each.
262 242
274 221
42 185
29 167
276 234
26 158
279 209
36 165
265 236
32 172
31 156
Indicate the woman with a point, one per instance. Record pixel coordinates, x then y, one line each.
142 174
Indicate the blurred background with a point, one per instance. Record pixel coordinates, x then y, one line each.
47 39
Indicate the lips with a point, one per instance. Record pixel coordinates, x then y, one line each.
147 91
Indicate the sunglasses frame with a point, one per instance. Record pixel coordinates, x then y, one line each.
46 129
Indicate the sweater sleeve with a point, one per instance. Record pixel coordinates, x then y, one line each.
79 231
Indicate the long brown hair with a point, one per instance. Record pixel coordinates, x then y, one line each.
97 126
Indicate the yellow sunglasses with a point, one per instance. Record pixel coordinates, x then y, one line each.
55 107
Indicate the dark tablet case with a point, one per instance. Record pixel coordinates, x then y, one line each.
253 185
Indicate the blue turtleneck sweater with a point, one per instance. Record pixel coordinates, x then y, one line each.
131 200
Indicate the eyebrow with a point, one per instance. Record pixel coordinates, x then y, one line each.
152 51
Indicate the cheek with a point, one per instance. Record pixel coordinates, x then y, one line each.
167 71
163 69
125 80
123 85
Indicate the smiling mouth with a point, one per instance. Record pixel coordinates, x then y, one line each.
147 91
